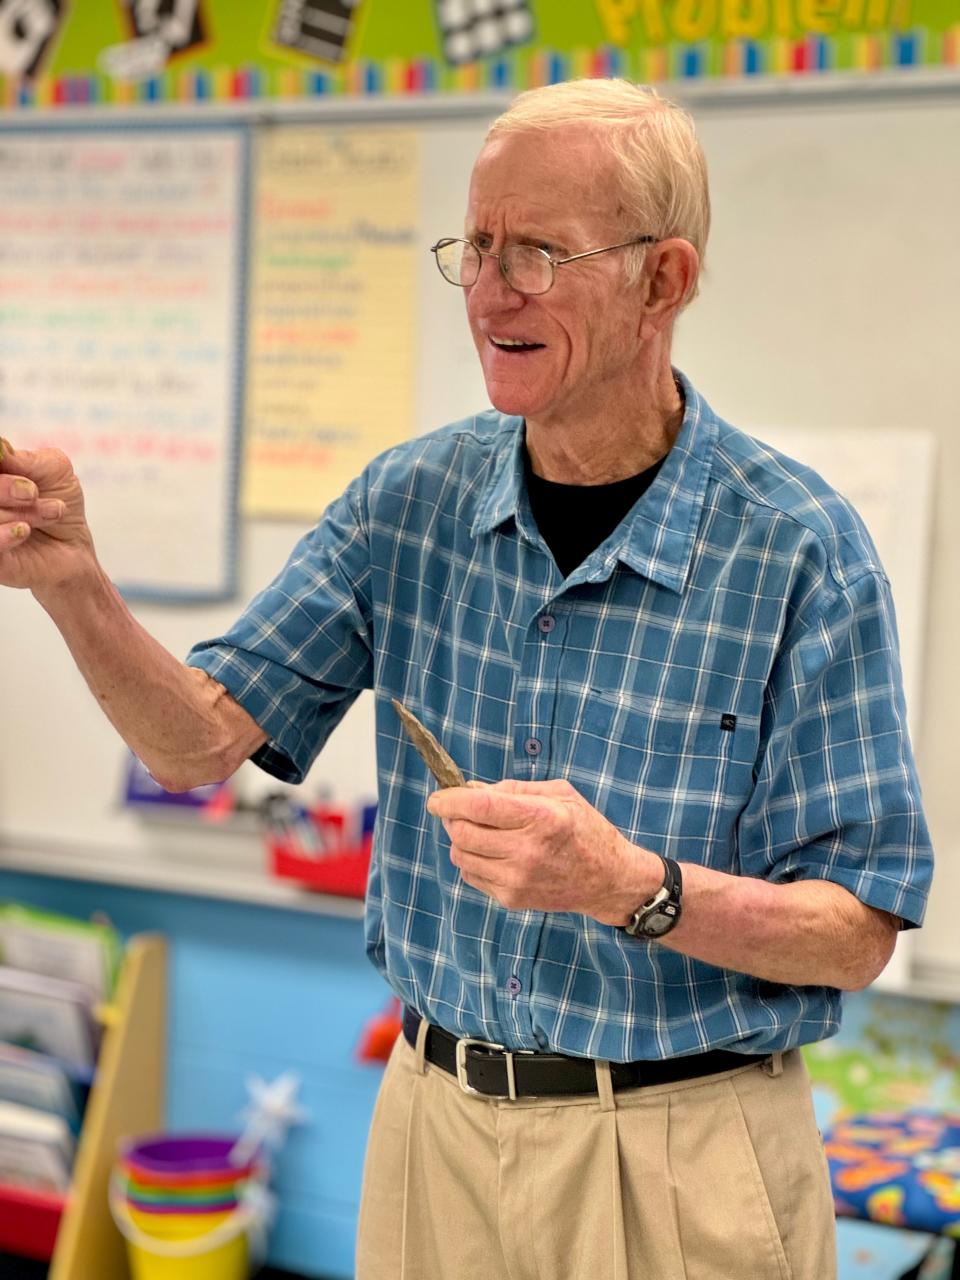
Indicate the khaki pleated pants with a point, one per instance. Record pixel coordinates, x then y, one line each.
718 1178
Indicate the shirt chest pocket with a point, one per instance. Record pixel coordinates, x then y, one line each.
686 767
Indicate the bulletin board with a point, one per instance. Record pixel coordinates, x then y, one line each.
807 322
114 52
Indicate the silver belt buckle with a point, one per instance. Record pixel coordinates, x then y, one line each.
461 1060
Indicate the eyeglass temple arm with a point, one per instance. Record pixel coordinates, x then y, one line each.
575 257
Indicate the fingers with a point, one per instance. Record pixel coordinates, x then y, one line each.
16 490
482 842
18 497
477 881
486 806
13 533
506 804
479 872
22 509
47 468
50 509
10 460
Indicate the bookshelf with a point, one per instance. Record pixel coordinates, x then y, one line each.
127 1097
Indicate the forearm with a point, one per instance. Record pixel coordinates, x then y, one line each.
806 933
540 846
184 726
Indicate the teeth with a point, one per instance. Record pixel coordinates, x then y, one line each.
511 342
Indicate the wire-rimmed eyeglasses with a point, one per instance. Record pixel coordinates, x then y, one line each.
524 267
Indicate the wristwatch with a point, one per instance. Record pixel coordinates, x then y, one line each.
659 914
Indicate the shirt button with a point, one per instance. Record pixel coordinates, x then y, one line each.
546 623
514 985
533 746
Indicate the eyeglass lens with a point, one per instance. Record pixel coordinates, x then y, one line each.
525 267
459 262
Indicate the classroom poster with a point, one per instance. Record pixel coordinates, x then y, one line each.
332 312
116 52
119 298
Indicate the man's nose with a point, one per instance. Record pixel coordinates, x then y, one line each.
490 290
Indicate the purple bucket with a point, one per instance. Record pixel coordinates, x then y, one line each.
182 1157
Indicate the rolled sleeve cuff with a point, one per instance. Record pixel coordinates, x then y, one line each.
285 756
906 902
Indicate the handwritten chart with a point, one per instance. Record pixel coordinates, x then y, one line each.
119 304
332 312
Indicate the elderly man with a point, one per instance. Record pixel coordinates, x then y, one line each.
667 651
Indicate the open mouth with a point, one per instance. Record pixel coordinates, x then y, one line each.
515 346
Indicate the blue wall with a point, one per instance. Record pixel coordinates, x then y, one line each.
257 990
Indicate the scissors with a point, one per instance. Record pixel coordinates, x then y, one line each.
434 756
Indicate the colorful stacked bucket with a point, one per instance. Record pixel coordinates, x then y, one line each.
176 1198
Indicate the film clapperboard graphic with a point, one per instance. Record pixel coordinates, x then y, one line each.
159 30
26 30
318 28
473 29
177 22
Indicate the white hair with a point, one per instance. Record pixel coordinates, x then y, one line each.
661 168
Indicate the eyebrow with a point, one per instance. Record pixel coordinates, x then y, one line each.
525 236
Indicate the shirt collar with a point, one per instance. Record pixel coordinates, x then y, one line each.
501 499
656 538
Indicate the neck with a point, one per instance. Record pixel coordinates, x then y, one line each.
600 452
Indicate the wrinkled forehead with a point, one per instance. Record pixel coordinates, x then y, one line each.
562 173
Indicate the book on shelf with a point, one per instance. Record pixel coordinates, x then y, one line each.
48 1015
58 946
36 1149
43 1083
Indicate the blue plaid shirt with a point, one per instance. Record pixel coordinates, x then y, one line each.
719 678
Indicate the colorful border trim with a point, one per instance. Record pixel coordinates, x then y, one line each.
513 70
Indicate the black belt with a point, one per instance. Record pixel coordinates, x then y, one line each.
495 1072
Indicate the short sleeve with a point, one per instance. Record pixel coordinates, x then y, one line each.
301 652
837 795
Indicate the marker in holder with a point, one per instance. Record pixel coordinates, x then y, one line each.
326 849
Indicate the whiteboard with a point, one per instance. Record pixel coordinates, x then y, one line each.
827 323
890 481
829 305
121 287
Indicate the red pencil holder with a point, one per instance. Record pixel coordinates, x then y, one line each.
342 872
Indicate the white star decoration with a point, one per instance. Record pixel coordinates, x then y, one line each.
273 1109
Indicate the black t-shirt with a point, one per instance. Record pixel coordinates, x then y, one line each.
574 519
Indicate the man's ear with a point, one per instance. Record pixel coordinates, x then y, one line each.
669 276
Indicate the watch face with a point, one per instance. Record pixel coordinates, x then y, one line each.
659 923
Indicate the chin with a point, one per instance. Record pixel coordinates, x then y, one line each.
513 406
516 401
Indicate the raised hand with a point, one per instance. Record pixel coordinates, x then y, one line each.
44 537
